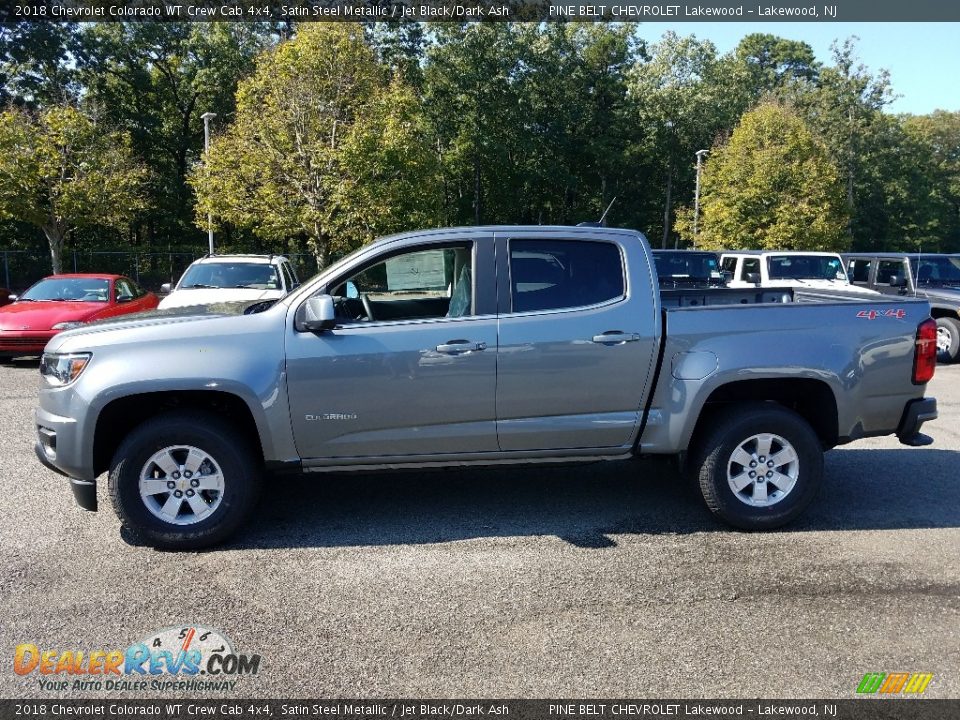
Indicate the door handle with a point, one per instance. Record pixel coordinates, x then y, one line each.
460 346
615 336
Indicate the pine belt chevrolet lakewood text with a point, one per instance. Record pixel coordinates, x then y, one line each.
479 346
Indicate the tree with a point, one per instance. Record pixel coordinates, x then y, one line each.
60 169
772 186
321 144
34 67
683 103
771 62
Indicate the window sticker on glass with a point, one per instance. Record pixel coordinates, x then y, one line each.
416 271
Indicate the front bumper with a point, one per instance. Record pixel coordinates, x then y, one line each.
14 343
915 414
84 491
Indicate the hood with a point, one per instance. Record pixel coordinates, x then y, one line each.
815 284
205 296
43 315
186 321
946 292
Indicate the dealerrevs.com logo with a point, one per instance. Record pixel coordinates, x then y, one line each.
175 659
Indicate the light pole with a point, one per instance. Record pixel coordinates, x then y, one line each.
696 196
207 117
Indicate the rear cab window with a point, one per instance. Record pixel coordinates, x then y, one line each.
561 274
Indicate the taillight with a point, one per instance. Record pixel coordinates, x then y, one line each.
925 353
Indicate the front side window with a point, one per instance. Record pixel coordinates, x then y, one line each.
421 284
887 269
729 264
557 274
123 288
749 265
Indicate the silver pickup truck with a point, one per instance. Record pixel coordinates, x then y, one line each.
480 345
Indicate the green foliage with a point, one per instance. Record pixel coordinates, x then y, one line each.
322 146
772 186
60 169
347 131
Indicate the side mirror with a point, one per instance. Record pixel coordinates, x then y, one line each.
12 297
124 298
165 288
727 276
752 277
897 281
318 314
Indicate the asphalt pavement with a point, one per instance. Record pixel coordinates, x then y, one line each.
606 580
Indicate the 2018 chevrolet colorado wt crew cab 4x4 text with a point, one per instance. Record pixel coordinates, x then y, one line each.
478 345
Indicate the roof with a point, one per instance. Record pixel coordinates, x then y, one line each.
260 259
507 229
898 255
798 253
87 276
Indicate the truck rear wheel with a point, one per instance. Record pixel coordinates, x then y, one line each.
183 481
948 339
759 465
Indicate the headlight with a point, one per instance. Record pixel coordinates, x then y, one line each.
60 370
68 325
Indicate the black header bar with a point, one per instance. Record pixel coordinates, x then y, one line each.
480 10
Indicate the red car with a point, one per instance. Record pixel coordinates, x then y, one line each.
61 302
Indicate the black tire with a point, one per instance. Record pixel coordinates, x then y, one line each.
240 469
711 458
950 327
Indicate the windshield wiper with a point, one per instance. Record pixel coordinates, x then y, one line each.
201 285
246 287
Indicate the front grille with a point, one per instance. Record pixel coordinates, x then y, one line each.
22 341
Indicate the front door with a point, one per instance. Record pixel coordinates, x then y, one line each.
409 370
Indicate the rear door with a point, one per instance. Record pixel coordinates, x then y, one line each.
577 340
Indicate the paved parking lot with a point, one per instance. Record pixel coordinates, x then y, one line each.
601 580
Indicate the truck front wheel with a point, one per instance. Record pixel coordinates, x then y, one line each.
183 480
758 465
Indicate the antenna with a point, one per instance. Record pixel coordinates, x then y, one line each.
603 218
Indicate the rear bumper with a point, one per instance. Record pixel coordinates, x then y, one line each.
84 491
915 414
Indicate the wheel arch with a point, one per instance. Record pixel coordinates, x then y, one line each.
121 415
812 399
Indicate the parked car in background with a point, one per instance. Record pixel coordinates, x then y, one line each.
6 296
934 277
688 268
226 278
62 302
818 270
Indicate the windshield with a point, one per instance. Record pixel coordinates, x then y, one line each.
937 270
72 289
684 264
806 267
258 276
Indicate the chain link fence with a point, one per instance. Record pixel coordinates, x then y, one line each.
21 268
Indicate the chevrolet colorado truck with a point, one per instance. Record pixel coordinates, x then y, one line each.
481 345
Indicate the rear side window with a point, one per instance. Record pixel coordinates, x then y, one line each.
728 264
557 274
